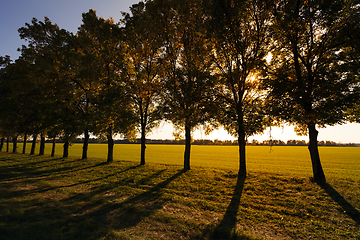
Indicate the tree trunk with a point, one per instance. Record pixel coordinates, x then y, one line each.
318 172
187 147
242 151
2 143
53 147
7 144
86 144
143 145
241 142
42 145
24 144
110 139
66 149
32 151
14 140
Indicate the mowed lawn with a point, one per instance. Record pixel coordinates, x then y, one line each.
338 162
45 197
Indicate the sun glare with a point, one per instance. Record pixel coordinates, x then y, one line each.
252 77
268 57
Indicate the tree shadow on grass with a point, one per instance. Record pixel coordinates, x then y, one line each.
18 163
134 209
89 214
226 229
16 172
34 169
61 171
348 208
90 180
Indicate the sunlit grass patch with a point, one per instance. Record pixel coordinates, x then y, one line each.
338 162
55 198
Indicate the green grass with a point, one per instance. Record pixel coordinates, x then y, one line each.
54 198
338 162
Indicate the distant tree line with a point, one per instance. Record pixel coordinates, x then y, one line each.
244 65
293 142
254 142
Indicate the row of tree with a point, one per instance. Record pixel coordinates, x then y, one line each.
244 64
254 142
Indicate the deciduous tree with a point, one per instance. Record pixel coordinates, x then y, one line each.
106 106
5 92
144 70
239 31
188 98
314 83
45 81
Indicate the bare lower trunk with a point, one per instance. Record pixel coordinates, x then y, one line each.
66 149
42 145
187 148
242 152
318 172
24 144
143 145
14 140
32 151
2 143
86 144
7 144
110 139
53 147
241 142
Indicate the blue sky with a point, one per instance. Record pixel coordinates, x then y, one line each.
67 14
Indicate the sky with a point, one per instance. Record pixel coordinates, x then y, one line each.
67 14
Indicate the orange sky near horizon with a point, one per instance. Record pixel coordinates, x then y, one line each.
347 133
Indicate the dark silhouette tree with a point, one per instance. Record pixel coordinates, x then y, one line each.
106 106
44 81
86 74
21 97
188 95
240 33
144 69
314 82
5 92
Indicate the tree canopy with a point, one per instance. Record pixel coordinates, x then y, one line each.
313 76
240 64
143 69
239 31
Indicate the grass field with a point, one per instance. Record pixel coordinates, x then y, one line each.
338 162
54 198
